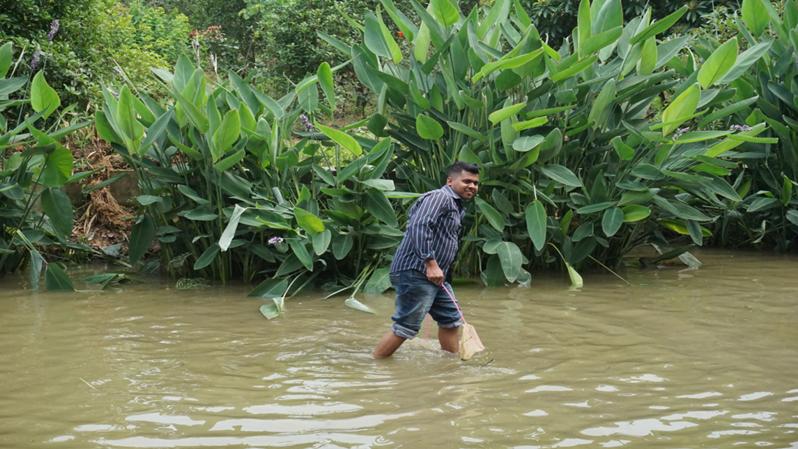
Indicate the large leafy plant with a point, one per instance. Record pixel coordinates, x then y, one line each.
235 186
579 166
35 213
765 169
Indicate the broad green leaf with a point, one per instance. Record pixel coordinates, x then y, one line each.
536 224
141 236
681 109
353 303
700 136
694 229
468 131
511 260
341 138
572 69
506 112
191 193
11 85
385 185
602 106
611 221
755 16
635 212
561 174
728 143
658 26
128 126
718 63
324 73
505 63
207 257
57 167
624 151
528 124
380 207
596 207
745 60
230 230
428 128
583 26
576 279
301 253
56 279
43 98
400 19
786 191
792 216
230 161
341 246
379 281
421 43
321 242
378 38
648 57
526 143
6 57
270 288
602 40
58 208
227 134
494 217
445 11
308 221
269 310
156 130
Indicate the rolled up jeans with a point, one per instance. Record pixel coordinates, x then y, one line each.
415 297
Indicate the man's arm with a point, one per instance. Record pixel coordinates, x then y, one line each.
420 232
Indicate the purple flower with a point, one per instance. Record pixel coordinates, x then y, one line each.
35 60
54 25
306 123
274 241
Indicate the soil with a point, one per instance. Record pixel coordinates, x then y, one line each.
100 220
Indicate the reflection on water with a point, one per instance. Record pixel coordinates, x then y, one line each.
705 358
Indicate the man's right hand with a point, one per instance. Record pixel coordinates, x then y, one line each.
434 272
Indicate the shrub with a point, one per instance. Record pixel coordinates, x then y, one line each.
34 167
765 169
577 167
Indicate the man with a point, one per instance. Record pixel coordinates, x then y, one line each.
423 261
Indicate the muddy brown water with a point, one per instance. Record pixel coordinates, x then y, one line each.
680 359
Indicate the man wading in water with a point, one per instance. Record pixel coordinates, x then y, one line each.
423 261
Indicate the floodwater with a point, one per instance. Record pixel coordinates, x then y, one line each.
680 359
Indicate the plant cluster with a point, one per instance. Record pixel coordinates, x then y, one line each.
35 212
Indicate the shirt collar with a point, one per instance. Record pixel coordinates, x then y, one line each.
449 191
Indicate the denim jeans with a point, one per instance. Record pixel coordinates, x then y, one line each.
415 297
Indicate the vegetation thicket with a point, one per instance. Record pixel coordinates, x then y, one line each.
618 133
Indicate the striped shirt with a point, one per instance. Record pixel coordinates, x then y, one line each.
433 232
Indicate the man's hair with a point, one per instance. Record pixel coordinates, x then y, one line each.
460 166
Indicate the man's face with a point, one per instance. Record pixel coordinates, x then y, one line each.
465 184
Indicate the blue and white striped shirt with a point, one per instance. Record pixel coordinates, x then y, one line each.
433 232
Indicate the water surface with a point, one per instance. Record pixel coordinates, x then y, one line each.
679 359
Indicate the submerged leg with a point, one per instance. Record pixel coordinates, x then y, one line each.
389 343
448 338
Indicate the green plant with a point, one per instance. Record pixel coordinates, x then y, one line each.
765 169
577 168
231 189
35 213
84 43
